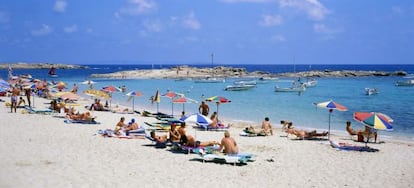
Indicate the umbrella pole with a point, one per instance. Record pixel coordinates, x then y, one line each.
172 108
329 125
133 103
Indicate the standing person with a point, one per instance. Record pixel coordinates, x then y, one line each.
27 92
267 127
15 93
204 109
75 88
228 144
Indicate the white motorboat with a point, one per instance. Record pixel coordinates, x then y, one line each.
371 91
310 83
239 87
405 83
245 82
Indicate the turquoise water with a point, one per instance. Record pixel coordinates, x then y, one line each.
255 104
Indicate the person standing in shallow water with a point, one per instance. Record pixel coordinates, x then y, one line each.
204 109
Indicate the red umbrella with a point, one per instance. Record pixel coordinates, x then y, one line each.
184 100
218 100
110 89
172 95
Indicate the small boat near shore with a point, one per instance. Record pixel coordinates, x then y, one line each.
300 88
210 80
371 91
405 83
239 87
310 83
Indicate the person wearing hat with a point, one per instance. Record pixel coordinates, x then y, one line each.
132 125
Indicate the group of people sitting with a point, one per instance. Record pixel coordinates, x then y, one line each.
126 129
227 145
97 106
266 129
367 132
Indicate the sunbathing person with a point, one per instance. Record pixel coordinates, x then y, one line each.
304 134
350 130
132 125
181 130
215 122
82 116
367 133
188 140
160 139
228 144
174 134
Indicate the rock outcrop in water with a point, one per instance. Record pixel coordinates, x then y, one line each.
223 72
40 66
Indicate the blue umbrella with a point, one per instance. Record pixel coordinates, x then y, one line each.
198 119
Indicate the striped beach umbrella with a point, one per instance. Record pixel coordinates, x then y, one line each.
375 120
330 105
132 95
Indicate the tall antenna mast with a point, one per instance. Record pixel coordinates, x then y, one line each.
212 60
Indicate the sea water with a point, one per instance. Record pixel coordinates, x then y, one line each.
262 101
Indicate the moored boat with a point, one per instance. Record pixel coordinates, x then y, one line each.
290 89
405 83
371 91
239 87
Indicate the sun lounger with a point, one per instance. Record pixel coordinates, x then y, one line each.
192 149
158 114
349 147
111 133
136 132
210 128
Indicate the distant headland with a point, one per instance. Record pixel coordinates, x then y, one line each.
21 65
180 72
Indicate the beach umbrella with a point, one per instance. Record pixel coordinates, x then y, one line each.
330 105
184 100
111 89
172 95
219 100
61 85
70 96
132 95
198 119
97 93
375 120
4 84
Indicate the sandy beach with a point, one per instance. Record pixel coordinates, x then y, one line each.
42 151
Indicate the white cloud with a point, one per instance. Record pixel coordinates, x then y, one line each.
326 31
269 20
313 8
71 29
136 7
60 6
278 38
191 22
153 26
4 17
246 1
45 30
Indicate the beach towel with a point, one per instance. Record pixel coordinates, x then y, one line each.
111 133
136 132
241 158
348 147
192 149
38 111
250 134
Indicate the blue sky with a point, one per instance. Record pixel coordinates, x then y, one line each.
182 31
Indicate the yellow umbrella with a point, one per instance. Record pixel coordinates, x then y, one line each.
97 93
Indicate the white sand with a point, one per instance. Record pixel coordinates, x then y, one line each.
43 151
